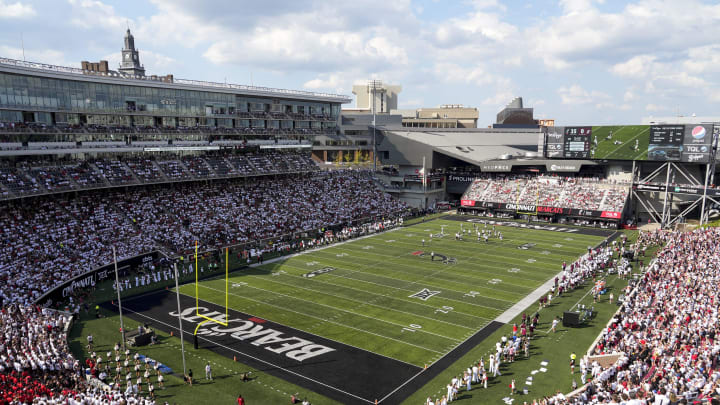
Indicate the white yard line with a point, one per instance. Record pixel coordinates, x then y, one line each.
326 320
336 309
472 279
445 298
401 298
362 302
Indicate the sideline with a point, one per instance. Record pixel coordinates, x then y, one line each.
517 309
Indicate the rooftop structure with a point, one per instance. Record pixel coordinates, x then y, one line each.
385 95
444 116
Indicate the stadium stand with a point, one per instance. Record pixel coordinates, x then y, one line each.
62 128
145 169
666 329
564 192
197 166
220 166
16 182
36 361
43 177
36 365
114 171
174 170
67 237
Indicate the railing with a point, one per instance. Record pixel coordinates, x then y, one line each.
242 87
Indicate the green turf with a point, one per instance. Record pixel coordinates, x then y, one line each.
365 301
626 134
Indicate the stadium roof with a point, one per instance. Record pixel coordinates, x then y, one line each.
473 146
70 73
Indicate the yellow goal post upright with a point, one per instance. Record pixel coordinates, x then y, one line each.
197 295
537 200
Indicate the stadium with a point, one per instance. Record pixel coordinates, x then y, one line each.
153 226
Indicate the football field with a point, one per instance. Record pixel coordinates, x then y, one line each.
360 320
386 295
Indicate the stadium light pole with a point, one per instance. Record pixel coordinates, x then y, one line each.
117 288
374 84
177 294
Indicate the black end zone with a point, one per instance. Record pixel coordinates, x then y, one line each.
341 372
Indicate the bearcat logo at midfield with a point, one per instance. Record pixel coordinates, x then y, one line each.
255 334
318 272
441 257
526 246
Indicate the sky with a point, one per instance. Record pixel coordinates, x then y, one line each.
575 61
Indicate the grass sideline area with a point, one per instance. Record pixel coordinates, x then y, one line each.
226 385
627 135
369 266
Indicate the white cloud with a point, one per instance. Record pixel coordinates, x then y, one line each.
654 107
16 10
661 76
575 95
628 96
93 14
635 54
328 81
610 105
635 67
703 59
584 33
499 100
477 75
296 47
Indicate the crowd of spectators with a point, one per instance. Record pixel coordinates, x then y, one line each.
553 191
58 238
36 365
64 128
27 178
666 332
34 357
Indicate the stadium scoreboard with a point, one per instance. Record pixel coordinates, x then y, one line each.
687 143
666 142
576 143
568 142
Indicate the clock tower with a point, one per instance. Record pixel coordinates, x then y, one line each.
130 63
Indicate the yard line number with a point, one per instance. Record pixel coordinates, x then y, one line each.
413 327
444 309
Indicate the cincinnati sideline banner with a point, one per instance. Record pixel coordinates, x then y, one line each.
88 280
539 209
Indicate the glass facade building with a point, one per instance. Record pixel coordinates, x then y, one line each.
72 96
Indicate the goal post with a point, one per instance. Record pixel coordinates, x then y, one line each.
197 293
